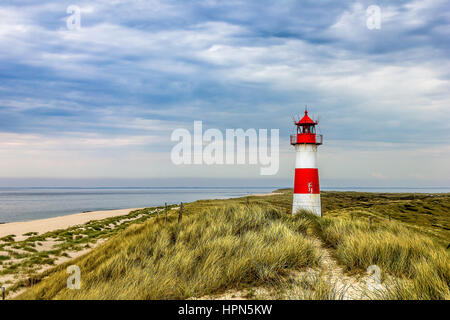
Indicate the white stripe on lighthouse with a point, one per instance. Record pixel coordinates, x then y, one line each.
306 156
309 202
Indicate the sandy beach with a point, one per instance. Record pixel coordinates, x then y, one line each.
61 222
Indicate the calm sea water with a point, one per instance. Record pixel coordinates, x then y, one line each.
22 204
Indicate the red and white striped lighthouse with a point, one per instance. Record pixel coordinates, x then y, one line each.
306 181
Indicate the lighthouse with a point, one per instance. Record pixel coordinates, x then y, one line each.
306 178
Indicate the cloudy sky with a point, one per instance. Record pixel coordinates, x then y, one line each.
101 102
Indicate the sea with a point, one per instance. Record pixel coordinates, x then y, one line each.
23 204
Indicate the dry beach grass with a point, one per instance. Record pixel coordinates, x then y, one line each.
226 248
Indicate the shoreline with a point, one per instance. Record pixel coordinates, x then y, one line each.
425 190
60 222
19 228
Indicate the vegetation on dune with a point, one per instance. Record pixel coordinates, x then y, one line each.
24 258
215 250
314 286
225 244
425 213
421 266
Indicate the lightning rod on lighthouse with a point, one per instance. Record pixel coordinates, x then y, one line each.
306 178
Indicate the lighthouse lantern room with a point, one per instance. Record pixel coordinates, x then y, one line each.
306 178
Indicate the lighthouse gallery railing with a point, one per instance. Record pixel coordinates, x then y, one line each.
319 138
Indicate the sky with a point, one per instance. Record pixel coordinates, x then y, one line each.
99 103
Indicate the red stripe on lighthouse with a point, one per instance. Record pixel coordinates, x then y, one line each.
306 181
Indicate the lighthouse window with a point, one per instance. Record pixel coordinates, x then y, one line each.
306 129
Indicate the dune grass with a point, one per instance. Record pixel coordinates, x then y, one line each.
220 248
420 265
428 214
26 256
223 244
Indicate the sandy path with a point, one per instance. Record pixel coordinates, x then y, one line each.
62 222
346 287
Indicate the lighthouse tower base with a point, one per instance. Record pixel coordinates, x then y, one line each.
308 202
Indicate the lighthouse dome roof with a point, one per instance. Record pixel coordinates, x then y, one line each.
306 120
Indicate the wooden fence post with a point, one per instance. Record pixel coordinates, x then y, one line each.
180 214
370 222
389 217
3 292
247 201
165 212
